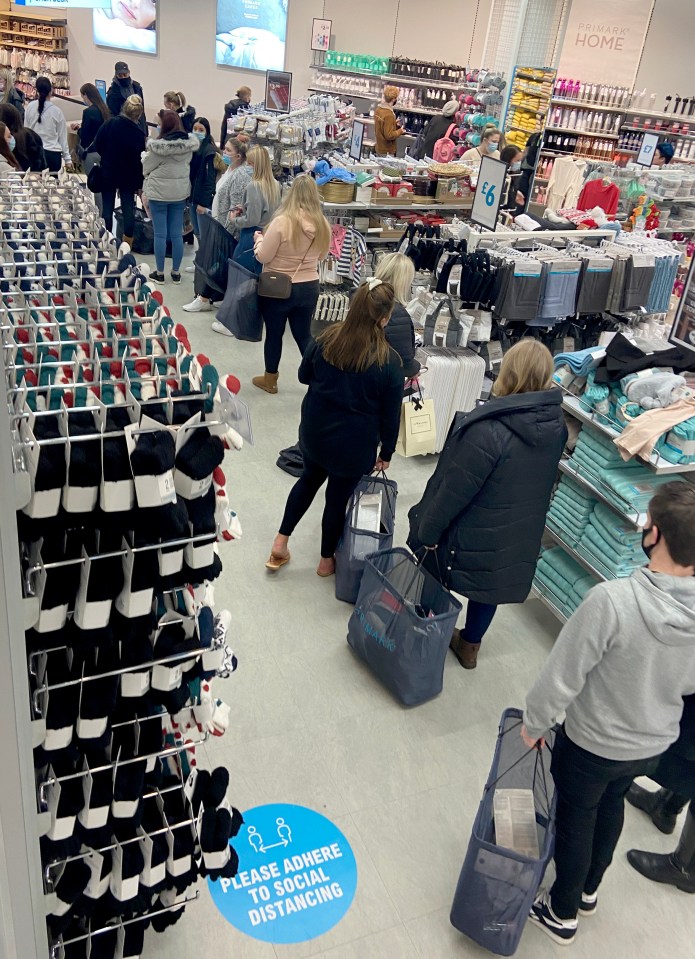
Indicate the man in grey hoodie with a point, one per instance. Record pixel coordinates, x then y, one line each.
618 671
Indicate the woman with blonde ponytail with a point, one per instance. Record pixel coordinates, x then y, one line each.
298 237
352 407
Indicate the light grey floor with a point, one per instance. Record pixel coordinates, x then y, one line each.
310 726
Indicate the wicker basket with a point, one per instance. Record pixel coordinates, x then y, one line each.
336 191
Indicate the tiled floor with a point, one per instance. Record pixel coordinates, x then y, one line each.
311 726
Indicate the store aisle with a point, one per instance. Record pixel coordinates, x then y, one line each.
309 725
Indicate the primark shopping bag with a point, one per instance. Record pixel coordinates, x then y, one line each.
497 886
402 625
216 248
369 523
239 310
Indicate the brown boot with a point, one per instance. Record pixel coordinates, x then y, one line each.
129 240
465 652
267 382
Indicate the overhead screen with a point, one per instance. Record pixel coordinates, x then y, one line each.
251 34
126 25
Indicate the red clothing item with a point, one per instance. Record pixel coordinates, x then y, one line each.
596 193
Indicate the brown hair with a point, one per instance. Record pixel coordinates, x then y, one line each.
244 92
241 143
170 123
526 368
95 98
133 108
5 148
359 342
672 511
178 99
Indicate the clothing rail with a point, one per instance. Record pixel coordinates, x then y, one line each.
475 237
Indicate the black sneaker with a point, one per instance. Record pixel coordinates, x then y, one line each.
157 277
589 904
561 931
175 277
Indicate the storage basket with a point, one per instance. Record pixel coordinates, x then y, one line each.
336 191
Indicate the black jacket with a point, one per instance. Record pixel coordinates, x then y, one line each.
400 334
120 143
28 151
92 121
117 95
485 505
17 99
436 129
204 174
230 110
346 415
676 769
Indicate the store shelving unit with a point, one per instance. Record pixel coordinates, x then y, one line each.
533 82
26 37
397 78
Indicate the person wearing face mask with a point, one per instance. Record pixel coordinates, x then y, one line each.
28 148
511 155
8 162
94 117
203 172
228 198
619 672
122 87
10 93
488 147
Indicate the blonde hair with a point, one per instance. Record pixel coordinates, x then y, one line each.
359 342
133 108
178 99
303 202
398 270
244 92
488 130
9 83
526 368
391 93
259 159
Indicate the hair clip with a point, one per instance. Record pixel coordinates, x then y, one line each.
373 282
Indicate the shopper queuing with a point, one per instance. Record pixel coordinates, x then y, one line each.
352 408
122 87
399 270
8 162
229 197
10 93
298 237
120 144
483 511
618 672
261 200
386 126
203 172
166 165
48 121
94 116
488 147
241 101
28 148
177 102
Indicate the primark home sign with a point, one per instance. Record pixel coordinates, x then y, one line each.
615 31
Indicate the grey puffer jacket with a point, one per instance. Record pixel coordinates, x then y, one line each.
166 164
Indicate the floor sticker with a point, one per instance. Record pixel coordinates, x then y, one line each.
297 875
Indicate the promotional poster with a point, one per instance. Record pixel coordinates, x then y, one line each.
127 25
251 33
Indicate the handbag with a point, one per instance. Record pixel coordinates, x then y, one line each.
417 434
95 179
276 285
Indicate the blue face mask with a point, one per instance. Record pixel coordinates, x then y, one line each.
491 147
201 136
226 159
515 166
12 144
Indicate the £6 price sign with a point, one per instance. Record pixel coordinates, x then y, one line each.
489 192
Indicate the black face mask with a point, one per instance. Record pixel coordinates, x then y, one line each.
648 549
124 81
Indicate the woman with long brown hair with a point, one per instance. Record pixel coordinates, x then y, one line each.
353 404
8 161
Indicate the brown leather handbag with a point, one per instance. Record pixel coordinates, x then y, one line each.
276 285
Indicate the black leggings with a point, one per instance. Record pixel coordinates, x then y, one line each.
54 160
298 308
302 495
108 199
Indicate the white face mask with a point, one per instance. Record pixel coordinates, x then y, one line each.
515 166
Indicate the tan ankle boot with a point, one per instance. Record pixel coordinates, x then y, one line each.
267 382
129 241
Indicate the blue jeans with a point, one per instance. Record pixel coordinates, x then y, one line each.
478 619
244 251
195 219
167 219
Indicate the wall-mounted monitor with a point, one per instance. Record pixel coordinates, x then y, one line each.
127 25
251 34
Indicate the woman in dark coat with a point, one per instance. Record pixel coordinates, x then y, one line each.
483 511
120 144
437 127
352 407
399 271
28 148
676 775
203 173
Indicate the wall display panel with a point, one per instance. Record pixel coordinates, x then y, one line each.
251 34
127 25
605 39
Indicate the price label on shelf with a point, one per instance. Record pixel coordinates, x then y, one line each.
489 192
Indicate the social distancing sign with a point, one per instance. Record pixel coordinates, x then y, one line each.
297 875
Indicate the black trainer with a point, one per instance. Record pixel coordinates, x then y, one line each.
157 277
589 904
175 277
561 931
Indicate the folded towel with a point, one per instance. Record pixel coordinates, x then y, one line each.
678 445
606 521
581 362
637 486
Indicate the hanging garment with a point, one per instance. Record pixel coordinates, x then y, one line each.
599 193
565 182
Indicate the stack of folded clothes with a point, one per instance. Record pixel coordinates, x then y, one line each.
631 486
611 544
678 445
562 580
570 510
595 453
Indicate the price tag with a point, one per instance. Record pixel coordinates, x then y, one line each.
489 192
645 156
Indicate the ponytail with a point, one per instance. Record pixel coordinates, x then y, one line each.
44 88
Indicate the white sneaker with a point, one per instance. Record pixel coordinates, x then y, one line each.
219 328
199 305
190 269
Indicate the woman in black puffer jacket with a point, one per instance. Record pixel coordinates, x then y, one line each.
399 271
484 508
